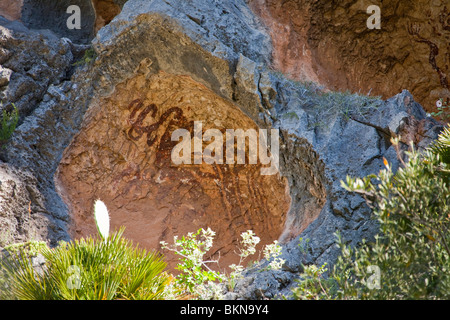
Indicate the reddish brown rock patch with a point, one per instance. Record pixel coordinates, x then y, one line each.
329 42
105 11
11 9
123 156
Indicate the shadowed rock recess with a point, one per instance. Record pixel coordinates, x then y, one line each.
104 131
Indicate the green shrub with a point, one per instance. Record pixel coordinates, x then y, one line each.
89 56
410 257
312 285
412 252
8 124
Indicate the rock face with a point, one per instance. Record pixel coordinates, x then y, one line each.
169 200
53 15
35 66
164 65
123 156
329 42
20 205
172 51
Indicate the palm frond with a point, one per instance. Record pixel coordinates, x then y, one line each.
441 146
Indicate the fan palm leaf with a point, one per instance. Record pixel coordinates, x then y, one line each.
442 146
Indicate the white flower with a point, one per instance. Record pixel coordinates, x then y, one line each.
276 264
439 104
101 218
249 242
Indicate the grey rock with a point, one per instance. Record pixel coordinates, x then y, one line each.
263 285
21 205
30 205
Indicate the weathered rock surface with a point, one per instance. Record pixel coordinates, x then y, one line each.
329 42
202 61
123 156
21 205
30 62
36 65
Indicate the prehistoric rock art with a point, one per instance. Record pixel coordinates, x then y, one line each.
123 156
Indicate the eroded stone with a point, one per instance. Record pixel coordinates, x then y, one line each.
123 156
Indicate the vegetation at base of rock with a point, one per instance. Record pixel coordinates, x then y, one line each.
8 124
88 269
312 285
198 280
412 250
